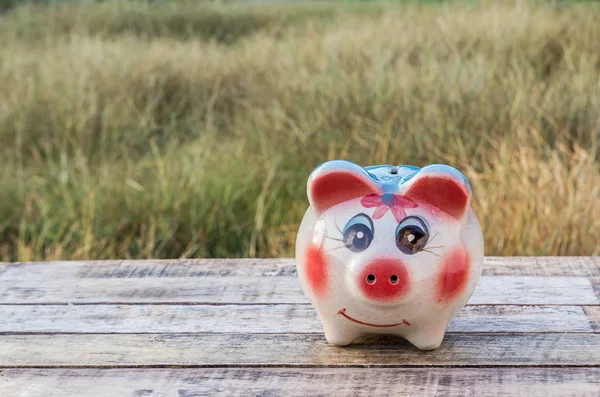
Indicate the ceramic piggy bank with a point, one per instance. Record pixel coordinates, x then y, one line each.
388 249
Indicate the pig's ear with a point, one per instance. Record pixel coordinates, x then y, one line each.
337 181
443 187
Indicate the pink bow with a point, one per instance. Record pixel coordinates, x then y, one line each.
386 201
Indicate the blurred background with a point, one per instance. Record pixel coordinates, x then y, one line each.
186 129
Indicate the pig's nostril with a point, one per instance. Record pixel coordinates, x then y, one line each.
383 281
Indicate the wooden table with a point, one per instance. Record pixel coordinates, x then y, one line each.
244 327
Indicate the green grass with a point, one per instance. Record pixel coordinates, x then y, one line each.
130 130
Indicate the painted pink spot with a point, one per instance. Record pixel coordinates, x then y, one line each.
316 270
454 275
388 201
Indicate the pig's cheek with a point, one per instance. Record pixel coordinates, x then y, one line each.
316 270
454 276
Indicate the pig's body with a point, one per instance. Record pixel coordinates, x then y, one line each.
388 250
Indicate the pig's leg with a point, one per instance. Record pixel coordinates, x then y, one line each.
428 337
339 336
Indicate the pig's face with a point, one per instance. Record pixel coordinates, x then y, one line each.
387 258
388 247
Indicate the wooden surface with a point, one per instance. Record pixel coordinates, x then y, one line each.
243 327
303 382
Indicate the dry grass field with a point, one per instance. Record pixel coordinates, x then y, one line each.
178 129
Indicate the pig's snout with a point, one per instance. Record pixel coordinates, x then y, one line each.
384 281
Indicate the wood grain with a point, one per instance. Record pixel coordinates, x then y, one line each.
301 382
262 319
493 266
593 312
596 286
504 290
293 350
151 269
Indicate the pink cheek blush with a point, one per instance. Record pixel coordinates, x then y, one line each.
454 276
316 270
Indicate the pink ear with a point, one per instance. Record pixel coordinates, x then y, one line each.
442 187
337 181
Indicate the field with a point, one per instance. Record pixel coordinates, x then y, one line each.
181 129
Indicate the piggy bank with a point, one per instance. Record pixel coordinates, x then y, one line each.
388 250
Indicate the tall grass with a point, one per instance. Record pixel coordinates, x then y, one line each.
188 130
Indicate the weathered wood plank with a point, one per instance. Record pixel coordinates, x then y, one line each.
262 319
285 289
506 290
546 266
593 313
301 382
295 350
493 266
156 268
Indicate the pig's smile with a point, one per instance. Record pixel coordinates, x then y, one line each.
343 313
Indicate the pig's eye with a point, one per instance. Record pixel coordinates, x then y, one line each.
411 235
358 233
